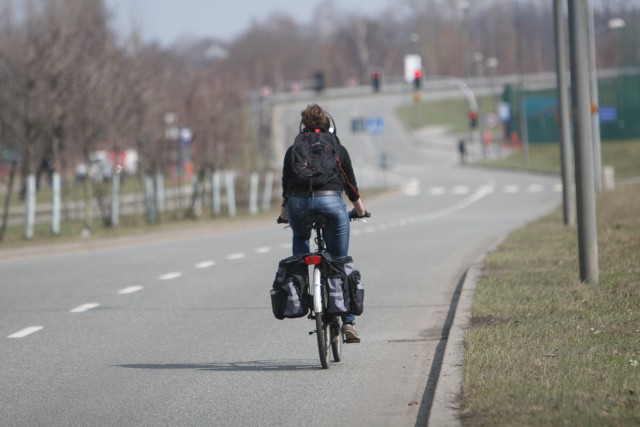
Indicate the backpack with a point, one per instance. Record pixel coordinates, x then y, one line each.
314 158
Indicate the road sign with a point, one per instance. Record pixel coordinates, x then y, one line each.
375 125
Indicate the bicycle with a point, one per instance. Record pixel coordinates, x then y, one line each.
328 326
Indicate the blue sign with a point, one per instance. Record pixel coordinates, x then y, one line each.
608 114
375 126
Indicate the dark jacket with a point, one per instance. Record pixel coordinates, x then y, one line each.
346 183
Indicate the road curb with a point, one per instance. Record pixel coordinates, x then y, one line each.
445 410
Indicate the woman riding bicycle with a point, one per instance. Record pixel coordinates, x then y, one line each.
300 201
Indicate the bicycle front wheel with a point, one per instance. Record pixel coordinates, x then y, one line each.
322 333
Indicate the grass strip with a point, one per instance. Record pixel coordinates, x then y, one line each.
545 349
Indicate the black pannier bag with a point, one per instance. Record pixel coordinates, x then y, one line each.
290 293
345 287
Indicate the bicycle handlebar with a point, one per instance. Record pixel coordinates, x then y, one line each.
353 216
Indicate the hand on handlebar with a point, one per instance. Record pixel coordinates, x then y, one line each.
354 215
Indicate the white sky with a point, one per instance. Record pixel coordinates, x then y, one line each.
167 20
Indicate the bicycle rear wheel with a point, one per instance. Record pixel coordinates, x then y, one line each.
322 333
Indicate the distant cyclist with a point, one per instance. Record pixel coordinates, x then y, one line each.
302 199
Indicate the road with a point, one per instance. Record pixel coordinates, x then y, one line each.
179 331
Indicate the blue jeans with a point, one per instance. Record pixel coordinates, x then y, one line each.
336 233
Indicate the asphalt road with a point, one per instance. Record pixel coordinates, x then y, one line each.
179 331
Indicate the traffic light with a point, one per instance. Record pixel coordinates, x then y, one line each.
473 119
318 81
417 79
375 81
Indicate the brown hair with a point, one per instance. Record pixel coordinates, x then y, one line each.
314 117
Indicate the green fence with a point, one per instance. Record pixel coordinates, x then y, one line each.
619 99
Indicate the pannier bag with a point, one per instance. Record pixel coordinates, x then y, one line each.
345 287
290 293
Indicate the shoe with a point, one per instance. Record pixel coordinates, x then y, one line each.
350 333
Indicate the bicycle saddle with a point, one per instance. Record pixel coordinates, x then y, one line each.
315 221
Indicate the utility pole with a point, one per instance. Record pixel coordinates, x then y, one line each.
566 150
580 96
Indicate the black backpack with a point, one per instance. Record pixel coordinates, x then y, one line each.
314 158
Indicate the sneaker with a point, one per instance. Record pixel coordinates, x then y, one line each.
350 333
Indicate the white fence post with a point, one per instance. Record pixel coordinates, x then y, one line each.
150 198
56 205
159 193
30 219
231 195
216 203
115 200
253 193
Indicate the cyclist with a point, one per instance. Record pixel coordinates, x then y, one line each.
299 202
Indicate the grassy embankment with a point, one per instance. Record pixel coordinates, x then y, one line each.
543 348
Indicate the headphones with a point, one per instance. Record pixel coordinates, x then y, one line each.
332 125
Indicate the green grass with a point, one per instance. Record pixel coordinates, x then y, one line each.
545 349
452 113
624 156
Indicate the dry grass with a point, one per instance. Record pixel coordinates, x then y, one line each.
544 349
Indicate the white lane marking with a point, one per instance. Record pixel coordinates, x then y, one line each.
489 188
263 250
437 191
284 246
511 189
479 194
205 264
411 188
236 256
170 276
535 188
85 307
461 189
557 188
130 290
25 332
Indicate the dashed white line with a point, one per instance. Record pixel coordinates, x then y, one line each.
512 189
236 256
170 276
557 188
535 188
461 189
130 290
26 332
411 188
263 250
437 191
85 307
205 264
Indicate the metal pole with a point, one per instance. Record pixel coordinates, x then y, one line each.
566 150
595 113
585 189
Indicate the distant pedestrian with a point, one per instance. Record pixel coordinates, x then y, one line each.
462 149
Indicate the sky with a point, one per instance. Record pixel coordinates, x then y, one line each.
168 20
